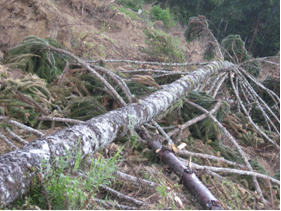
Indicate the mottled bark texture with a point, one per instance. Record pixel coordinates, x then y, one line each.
17 168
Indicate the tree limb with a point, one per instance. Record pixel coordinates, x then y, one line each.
230 137
206 199
86 65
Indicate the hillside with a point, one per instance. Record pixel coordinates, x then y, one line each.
90 29
104 31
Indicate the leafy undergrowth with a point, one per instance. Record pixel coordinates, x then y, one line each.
62 188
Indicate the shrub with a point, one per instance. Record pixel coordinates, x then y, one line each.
161 15
133 4
163 45
59 189
130 13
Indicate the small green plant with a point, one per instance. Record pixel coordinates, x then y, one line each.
165 194
134 140
129 13
163 45
101 51
53 4
161 15
162 190
62 190
133 4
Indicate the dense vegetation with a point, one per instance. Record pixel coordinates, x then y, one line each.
256 21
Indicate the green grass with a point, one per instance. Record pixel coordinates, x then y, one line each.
61 189
132 4
129 13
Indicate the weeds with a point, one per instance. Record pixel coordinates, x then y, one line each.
61 189
133 4
163 45
162 15
129 13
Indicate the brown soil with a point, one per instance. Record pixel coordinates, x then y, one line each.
91 29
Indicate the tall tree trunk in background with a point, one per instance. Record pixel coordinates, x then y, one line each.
17 168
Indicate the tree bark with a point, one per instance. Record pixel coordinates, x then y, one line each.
187 176
17 168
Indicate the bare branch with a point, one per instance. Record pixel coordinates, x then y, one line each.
84 64
185 152
146 62
15 136
264 59
246 83
196 119
112 191
267 119
147 70
163 132
230 137
232 171
219 85
250 119
109 205
260 85
20 125
8 141
217 44
59 119
237 88
118 80
64 72
136 180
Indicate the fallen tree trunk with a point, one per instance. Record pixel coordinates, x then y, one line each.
17 168
187 176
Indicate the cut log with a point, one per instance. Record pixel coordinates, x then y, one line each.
187 176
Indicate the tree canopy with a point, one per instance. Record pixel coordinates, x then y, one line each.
256 21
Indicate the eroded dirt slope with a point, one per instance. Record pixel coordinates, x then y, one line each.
90 28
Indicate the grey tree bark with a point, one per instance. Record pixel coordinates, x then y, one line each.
18 167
